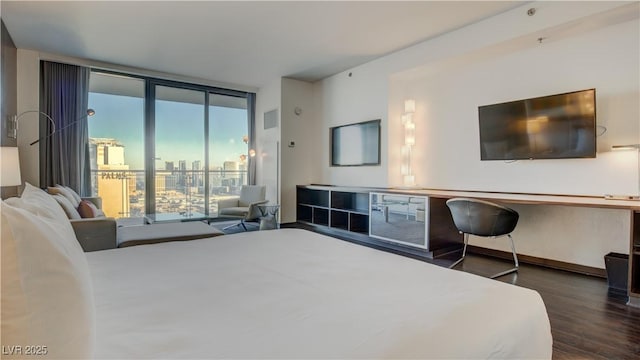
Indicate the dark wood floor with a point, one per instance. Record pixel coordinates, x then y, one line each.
587 320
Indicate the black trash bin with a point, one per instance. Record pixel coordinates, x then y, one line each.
617 270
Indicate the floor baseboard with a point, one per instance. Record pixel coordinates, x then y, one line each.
533 260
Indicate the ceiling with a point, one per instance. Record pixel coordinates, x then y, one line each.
240 42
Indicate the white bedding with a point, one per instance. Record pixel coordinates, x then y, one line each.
296 294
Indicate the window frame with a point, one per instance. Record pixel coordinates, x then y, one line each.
150 84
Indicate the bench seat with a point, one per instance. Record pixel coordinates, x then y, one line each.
163 232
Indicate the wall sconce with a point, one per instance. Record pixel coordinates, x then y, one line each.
408 178
9 166
243 157
630 147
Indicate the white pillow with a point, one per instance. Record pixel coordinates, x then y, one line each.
59 189
47 298
39 202
72 213
73 193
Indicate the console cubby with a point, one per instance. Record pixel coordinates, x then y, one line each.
340 219
321 216
338 208
313 197
359 223
351 201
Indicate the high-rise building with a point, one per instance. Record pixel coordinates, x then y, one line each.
168 165
196 178
113 180
230 173
182 175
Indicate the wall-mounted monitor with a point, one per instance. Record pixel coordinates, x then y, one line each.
356 144
550 127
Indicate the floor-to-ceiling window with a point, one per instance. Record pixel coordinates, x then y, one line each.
228 147
164 147
179 150
116 143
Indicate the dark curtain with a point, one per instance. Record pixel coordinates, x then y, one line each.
64 157
251 111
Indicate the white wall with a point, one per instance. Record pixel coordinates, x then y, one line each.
447 99
354 96
589 44
299 163
267 141
28 128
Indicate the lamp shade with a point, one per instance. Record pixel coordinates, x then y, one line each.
9 166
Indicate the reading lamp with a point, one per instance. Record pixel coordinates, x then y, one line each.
632 147
90 112
12 126
12 123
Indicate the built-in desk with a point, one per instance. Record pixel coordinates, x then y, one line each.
439 212
633 207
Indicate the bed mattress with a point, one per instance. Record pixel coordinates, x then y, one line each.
292 293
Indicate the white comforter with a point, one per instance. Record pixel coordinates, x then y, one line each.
296 294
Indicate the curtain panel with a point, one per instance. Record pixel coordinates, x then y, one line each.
64 156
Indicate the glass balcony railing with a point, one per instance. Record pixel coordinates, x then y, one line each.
123 192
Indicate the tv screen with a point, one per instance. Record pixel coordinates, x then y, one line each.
356 144
550 127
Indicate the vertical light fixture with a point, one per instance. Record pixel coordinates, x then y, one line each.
408 178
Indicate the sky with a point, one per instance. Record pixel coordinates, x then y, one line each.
179 130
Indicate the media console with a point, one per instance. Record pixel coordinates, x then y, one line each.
348 209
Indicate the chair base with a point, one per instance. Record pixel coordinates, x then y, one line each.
242 223
494 276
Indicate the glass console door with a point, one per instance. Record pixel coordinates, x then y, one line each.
399 219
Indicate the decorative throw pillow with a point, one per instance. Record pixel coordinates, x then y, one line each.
47 297
73 193
68 208
59 189
87 209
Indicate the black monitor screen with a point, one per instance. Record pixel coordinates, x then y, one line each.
550 127
356 144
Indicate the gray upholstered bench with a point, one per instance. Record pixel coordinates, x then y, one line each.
163 232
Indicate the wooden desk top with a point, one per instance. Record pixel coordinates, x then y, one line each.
538 199
514 198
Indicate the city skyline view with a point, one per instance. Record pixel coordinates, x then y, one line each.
179 130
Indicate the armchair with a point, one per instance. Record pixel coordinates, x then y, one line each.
245 207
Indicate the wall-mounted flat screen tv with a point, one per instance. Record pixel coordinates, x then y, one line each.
550 127
356 144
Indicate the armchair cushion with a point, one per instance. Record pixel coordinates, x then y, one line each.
227 203
250 194
237 211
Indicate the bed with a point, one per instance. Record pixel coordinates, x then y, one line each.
292 293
